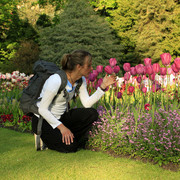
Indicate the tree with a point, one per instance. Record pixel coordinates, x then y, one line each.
80 28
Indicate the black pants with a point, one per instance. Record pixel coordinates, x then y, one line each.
79 121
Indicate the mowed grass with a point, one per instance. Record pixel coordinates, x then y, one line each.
19 160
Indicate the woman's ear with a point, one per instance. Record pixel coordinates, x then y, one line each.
78 66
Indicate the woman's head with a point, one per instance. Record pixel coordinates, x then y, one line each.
78 57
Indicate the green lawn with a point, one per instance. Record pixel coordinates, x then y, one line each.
19 160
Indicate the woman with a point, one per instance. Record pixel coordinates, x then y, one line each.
64 130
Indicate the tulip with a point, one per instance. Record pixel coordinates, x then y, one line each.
152 77
100 80
108 69
131 89
166 58
95 72
139 79
116 69
163 71
119 95
133 71
147 61
149 69
177 63
99 68
144 89
112 62
126 67
92 77
140 69
156 87
169 70
156 67
174 68
127 76
146 107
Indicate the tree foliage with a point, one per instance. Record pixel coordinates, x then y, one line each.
80 28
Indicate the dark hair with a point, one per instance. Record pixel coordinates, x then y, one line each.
69 61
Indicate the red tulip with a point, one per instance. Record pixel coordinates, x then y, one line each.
99 68
131 89
147 61
139 79
163 71
108 69
144 89
112 62
126 67
119 95
174 68
116 69
133 71
156 67
140 69
146 107
127 76
166 58
149 69
177 63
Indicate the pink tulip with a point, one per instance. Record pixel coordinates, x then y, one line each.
108 69
126 67
116 69
112 62
140 69
147 61
127 76
166 58
119 95
156 67
177 63
133 71
100 80
92 77
131 89
139 79
174 68
99 68
149 69
95 72
169 71
152 77
144 89
163 71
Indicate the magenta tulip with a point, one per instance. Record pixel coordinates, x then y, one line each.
112 62
140 69
133 71
95 72
131 89
127 76
166 58
116 69
152 77
177 63
108 69
163 71
92 77
149 69
119 95
100 80
139 79
144 89
147 61
174 68
99 68
126 67
156 67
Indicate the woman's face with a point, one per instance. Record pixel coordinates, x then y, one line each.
86 68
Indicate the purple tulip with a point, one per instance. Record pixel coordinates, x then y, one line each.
133 71
156 67
149 69
92 77
163 71
144 89
147 61
174 68
99 68
126 67
166 58
112 62
140 69
116 69
131 89
127 76
139 79
95 72
177 63
108 69
119 95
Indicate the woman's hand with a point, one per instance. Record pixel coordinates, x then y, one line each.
108 80
67 135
